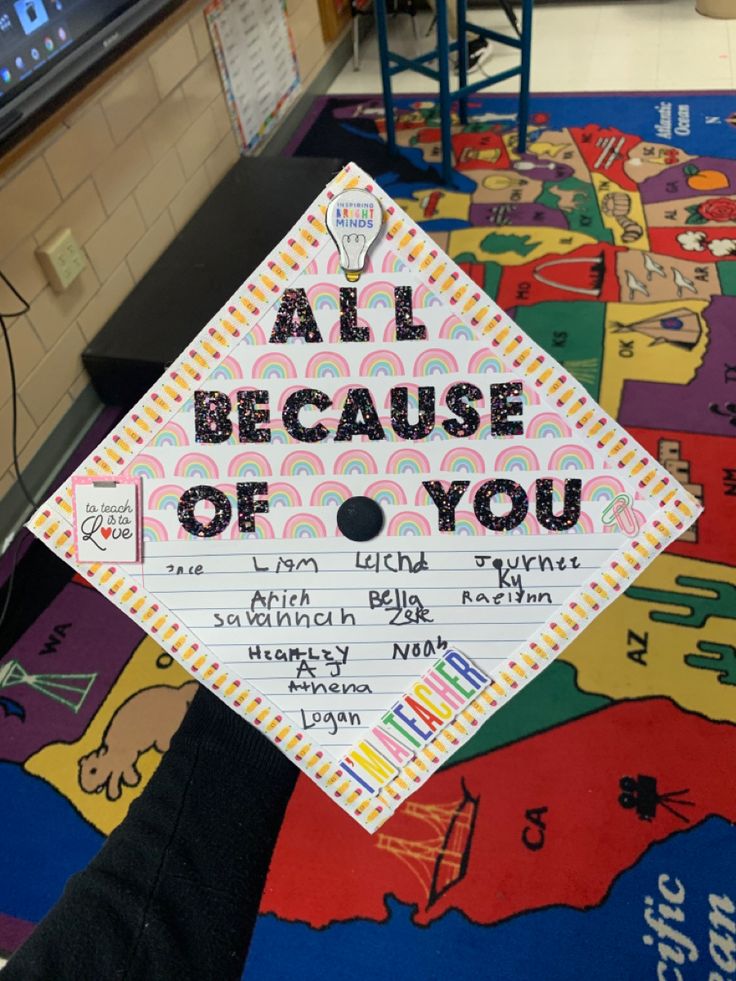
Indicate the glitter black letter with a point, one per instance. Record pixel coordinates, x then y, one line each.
482 504
295 301
400 412
406 329
211 417
457 402
571 506
446 500
349 329
191 497
249 417
502 409
293 405
247 507
359 402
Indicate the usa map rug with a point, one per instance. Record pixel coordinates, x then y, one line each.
659 700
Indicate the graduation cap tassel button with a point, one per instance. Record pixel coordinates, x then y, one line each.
360 518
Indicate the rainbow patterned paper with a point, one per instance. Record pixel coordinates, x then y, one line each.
514 509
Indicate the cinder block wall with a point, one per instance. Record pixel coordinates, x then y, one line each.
125 169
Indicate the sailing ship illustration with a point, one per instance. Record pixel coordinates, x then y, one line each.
439 862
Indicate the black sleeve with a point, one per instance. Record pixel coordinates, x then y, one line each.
174 892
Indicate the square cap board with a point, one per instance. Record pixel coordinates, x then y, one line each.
370 509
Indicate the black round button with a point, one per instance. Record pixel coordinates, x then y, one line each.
360 518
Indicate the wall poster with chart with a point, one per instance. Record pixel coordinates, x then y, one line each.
257 64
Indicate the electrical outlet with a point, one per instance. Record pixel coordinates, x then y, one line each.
61 259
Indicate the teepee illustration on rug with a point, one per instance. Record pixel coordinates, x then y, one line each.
365 508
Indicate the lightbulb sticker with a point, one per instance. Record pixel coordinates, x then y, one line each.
354 221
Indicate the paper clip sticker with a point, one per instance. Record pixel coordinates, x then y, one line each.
621 513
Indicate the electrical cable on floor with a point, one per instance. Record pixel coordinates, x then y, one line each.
9 582
13 383
25 307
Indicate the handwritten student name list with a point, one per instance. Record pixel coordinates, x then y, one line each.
333 632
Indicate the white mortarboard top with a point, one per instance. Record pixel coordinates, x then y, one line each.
363 507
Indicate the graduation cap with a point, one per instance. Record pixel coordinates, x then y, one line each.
363 507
